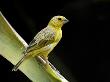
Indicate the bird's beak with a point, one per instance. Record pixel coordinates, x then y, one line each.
66 20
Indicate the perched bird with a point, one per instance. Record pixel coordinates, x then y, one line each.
44 42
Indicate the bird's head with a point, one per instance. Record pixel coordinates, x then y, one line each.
58 21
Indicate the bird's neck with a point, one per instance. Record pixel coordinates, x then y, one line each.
56 27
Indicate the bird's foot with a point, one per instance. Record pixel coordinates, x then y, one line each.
46 63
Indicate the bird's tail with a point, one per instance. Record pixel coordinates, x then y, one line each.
15 68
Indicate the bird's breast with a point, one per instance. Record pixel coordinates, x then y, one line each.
58 36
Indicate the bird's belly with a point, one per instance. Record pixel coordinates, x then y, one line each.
43 51
47 50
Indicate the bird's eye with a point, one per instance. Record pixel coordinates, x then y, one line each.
59 18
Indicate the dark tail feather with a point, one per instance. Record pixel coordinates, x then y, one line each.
15 68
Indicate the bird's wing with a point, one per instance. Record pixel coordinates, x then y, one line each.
42 39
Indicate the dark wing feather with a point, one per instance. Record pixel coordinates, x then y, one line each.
38 43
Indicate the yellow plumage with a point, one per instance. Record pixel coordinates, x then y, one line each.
44 42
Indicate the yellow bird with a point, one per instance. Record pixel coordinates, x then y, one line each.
44 42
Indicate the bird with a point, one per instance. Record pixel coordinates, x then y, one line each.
44 41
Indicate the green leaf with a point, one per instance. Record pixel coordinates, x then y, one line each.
11 48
